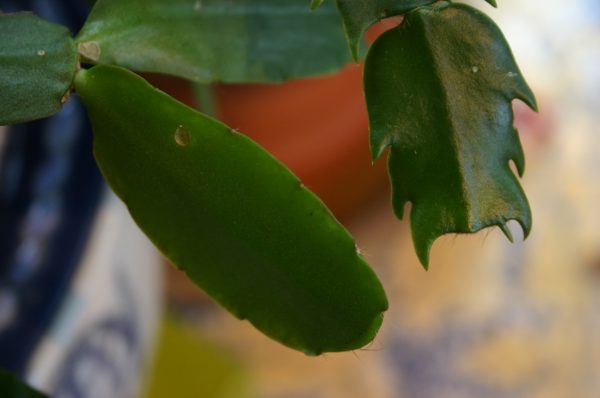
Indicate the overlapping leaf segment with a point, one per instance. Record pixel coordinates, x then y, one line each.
37 64
216 40
439 89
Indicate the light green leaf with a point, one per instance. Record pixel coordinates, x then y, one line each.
216 40
37 64
12 387
231 216
439 89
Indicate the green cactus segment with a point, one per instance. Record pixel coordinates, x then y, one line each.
359 15
12 387
216 40
38 61
231 216
439 89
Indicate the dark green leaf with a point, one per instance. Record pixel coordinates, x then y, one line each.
216 40
231 216
12 387
360 14
439 89
37 64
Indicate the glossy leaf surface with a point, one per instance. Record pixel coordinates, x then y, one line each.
439 89
12 387
231 216
216 40
37 64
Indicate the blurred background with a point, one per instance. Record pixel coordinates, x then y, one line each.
89 309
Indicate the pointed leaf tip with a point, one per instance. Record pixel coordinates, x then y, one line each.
525 226
423 250
492 3
422 240
359 15
507 232
528 98
377 147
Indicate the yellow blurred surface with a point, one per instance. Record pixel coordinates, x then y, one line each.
186 365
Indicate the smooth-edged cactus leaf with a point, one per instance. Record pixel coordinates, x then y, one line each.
12 387
439 89
236 220
38 61
216 40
